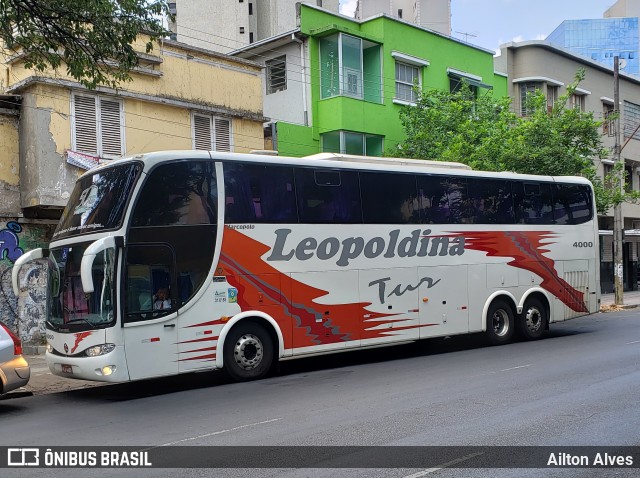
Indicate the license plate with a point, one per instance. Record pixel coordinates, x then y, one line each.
67 369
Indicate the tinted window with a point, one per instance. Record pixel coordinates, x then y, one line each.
182 193
490 201
98 202
389 198
443 200
572 204
257 193
533 202
328 196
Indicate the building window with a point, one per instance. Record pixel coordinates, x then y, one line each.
241 29
350 66
346 142
631 120
399 12
250 8
607 117
276 74
211 133
407 77
552 97
526 89
97 126
250 37
578 102
456 83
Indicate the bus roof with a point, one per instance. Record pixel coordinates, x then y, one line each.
343 161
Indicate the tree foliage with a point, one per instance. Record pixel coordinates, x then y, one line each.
486 134
93 38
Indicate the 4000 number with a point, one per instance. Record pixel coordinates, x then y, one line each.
583 244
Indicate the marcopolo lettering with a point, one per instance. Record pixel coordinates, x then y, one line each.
416 244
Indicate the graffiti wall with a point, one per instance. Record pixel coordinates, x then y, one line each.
25 313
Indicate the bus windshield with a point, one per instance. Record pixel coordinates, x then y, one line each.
68 305
98 201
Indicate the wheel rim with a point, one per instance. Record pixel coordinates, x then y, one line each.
500 322
248 351
533 319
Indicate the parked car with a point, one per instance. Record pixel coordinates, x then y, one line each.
14 369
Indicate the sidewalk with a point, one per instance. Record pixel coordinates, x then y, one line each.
42 381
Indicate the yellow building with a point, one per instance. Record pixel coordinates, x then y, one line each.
181 97
52 128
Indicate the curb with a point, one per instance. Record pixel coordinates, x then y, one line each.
33 349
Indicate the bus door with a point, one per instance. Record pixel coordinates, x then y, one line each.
150 311
444 300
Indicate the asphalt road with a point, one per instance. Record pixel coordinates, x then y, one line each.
580 385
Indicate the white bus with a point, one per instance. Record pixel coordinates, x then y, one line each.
185 261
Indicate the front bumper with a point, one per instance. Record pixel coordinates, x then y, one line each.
14 374
89 368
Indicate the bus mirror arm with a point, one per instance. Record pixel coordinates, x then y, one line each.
23 259
89 256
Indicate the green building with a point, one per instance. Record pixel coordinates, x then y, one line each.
336 84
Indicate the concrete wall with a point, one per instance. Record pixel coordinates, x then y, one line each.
287 105
215 25
157 115
25 313
432 14
9 163
623 8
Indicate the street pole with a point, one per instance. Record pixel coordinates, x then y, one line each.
618 223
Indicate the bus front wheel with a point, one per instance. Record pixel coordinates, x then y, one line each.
533 320
500 322
248 352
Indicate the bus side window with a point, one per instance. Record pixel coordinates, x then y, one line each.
572 204
260 194
490 201
331 197
443 200
533 202
389 198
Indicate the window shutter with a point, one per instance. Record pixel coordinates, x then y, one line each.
111 131
84 111
223 135
202 132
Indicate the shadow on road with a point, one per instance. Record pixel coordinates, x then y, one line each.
194 381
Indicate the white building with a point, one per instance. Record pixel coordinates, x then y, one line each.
432 14
226 25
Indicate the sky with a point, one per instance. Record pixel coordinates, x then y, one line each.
493 22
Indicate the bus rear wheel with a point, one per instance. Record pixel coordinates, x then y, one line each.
533 320
500 323
248 352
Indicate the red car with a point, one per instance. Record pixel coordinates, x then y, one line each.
14 369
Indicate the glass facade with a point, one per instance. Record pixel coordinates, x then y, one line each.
602 40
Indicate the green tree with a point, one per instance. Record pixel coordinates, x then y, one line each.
486 134
93 38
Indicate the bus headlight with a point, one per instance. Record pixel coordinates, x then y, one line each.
97 350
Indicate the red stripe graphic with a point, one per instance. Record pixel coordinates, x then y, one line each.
303 321
199 357
527 249
80 336
205 339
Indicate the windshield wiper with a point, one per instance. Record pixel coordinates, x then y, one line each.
80 319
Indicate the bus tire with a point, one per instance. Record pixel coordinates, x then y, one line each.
533 320
500 322
248 352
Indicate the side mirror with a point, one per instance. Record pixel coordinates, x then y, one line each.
23 259
89 256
